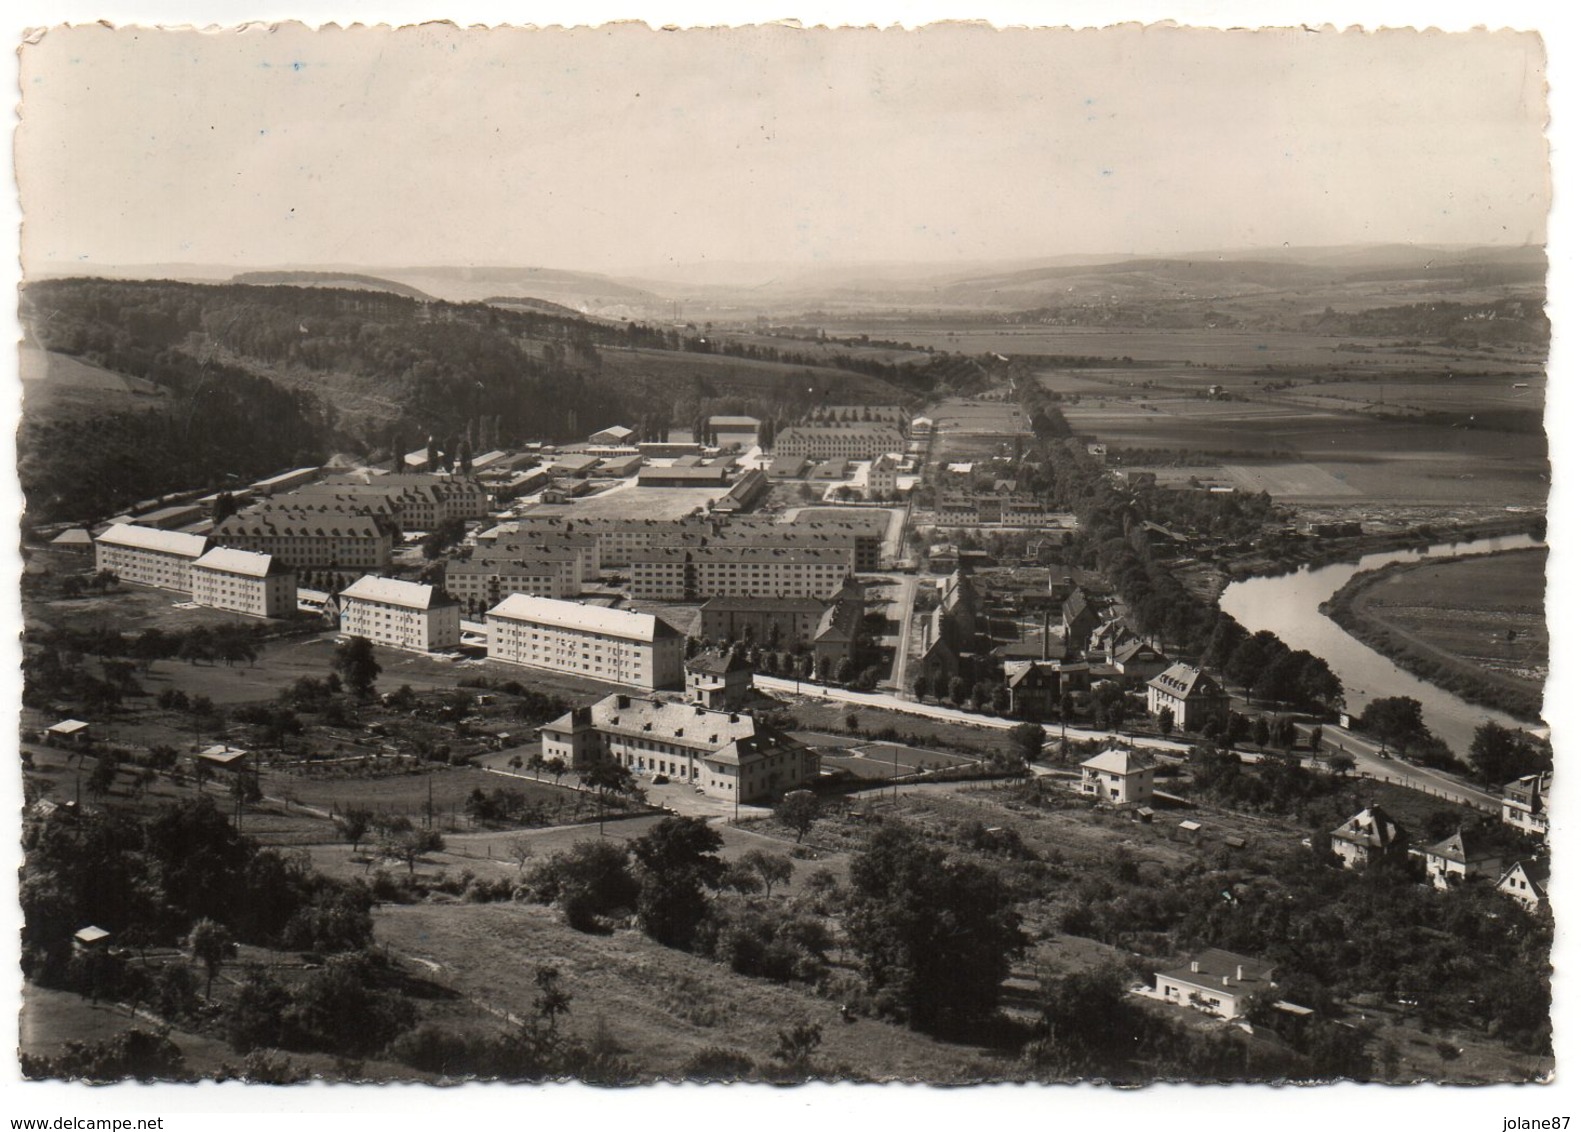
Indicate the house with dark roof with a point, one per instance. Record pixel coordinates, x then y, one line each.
718 680
1080 619
1463 855
1525 803
1368 838
1189 693
1527 882
1216 981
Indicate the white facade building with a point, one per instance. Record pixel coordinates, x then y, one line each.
244 582
400 615
613 645
724 755
144 556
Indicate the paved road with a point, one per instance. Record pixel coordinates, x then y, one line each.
1370 765
885 701
904 607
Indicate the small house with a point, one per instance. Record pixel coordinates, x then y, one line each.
722 681
91 938
1368 838
1216 982
1119 776
67 733
1461 856
1527 882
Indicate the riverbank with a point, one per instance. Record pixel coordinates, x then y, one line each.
1491 603
1315 553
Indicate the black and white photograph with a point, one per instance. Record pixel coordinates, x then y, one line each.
776 553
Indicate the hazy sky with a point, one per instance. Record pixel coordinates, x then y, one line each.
619 149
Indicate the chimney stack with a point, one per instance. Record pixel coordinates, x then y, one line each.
1196 967
1240 973
1226 980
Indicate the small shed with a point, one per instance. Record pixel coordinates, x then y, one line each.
90 938
1188 830
222 757
1235 842
67 733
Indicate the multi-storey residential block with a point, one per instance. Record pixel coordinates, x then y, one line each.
692 574
849 440
304 540
243 582
144 556
401 615
614 645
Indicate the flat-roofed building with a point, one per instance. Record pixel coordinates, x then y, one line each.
614 645
144 556
672 573
244 582
725 755
400 615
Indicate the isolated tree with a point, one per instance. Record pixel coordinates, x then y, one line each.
798 809
607 776
1026 741
353 824
1166 721
551 998
357 665
935 935
794 1047
1341 764
772 868
410 844
210 944
555 766
677 859
919 686
1397 720
520 850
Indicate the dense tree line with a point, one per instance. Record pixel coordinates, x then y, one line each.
148 881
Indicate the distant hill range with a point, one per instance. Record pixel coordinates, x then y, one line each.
718 290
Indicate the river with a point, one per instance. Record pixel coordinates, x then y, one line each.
1288 605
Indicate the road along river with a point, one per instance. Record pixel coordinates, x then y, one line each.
1288 605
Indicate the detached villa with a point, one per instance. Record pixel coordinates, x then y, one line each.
1368 838
1217 982
1190 694
1119 776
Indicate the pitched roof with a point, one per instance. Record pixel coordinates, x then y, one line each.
1184 681
1119 760
685 725
76 536
623 623
1214 966
1465 846
717 664
1535 870
393 591
1373 828
246 562
147 538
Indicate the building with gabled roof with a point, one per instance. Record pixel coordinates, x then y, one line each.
1525 803
616 646
614 434
1527 881
400 615
719 680
725 755
734 432
1120 776
1463 855
1368 838
304 540
243 581
144 556
1217 982
1191 695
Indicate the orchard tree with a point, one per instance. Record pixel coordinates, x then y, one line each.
357 666
773 868
210 944
798 809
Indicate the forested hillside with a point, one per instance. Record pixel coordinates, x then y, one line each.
258 378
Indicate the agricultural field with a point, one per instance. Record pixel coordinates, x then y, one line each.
889 355
58 383
1394 462
971 428
726 374
1484 614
